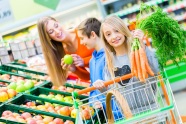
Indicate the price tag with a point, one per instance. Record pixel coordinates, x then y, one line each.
6 13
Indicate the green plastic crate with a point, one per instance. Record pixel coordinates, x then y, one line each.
18 109
23 98
175 73
46 91
10 73
22 70
49 85
15 62
27 91
14 106
4 81
74 86
20 75
15 74
2 103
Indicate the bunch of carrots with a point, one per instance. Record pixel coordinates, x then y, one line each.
139 62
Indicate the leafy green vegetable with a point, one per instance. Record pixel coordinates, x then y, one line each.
168 38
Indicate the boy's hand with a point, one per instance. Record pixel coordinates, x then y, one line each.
97 105
78 61
99 84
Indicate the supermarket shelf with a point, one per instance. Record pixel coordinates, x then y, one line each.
176 6
33 20
177 18
109 2
137 7
180 17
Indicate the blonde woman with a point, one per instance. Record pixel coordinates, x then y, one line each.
117 39
56 42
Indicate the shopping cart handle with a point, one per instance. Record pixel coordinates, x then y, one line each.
116 80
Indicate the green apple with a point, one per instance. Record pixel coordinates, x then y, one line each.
68 99
38 101
79 102
29 84
50 96
68 59
56 105
20 88
43 96
20 82
59 97
12 85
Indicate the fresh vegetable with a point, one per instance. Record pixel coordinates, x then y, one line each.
132 60
139 62
143 62
168 38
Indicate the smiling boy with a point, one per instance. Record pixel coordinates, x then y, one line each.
89 34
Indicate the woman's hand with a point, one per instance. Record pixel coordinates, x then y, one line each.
70 67
78 61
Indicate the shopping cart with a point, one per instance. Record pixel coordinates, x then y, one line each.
134 103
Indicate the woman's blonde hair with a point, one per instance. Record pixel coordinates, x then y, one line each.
53 52
110 52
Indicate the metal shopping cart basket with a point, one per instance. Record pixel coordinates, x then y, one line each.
134 103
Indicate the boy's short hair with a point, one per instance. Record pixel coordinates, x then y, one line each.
88 25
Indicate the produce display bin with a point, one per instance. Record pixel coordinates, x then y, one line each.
2 103
15 62
20 75
49 85
19 69
40 90
5 83
74 86
18 109
15 74
23 98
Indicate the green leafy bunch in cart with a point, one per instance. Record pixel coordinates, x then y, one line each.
168 37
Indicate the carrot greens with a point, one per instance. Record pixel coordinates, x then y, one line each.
168 38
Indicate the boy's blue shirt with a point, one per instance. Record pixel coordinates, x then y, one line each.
96 65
